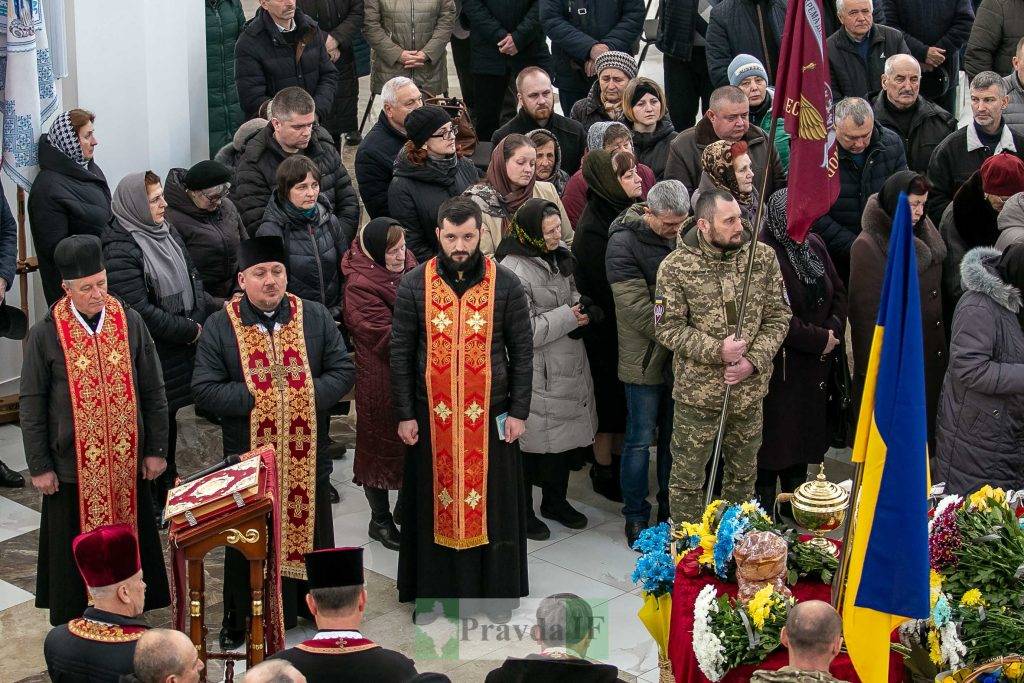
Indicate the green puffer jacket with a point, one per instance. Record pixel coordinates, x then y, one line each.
634 254
224 21
700 290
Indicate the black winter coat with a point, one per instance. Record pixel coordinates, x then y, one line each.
219 386
415 195
511 344
616 23
256 178
492 20
571 136
65 200
211 237
652 148
735 28
841 225
796 427
952 165
343 20
851 75
266 63
375 165
927 23
981 412
677 26
174 334
314 250
930 125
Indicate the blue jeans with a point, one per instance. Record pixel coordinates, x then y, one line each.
648 408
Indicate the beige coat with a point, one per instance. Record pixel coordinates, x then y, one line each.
391 26
491 235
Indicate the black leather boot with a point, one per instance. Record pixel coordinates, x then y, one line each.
9 478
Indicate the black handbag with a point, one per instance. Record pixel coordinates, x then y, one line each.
839 400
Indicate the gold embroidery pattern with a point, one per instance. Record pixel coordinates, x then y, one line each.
277 374
104 633
104 414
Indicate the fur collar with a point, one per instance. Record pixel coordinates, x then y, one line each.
928 244
977 272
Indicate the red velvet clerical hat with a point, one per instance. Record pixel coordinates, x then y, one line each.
107 555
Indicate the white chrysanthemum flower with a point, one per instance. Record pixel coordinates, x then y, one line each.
953 649
707 646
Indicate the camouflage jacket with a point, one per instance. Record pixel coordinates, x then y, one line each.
788 674
697 301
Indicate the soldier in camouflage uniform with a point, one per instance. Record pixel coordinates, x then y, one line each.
697 301
814 636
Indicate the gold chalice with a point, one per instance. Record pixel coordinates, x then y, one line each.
819 506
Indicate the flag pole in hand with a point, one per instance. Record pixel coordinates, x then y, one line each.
803 100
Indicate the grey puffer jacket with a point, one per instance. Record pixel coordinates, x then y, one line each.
563 413
1011 222
392 26
981 413
998 25
1014 112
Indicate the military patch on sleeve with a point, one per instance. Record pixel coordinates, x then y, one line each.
659 309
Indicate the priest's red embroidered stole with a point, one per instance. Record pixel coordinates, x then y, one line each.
336 646
101 632
459 392
277 374
104 414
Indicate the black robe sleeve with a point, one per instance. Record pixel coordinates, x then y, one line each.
213 388
337 372
519 345
404 347
34 401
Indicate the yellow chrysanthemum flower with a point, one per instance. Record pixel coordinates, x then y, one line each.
760 606
690 529
972 598
1014 671
934 647
707 544
935 584
709 515
980 498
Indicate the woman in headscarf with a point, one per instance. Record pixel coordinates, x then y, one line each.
150 269
372 267
646 110
427 172
562 413
510 181
867 272
614 186
549 159
70 195
727 166
982 405
797 431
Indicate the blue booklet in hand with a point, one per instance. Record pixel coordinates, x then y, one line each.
500 420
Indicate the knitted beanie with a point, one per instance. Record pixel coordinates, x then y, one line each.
616 60
421 123
1002 175
745 66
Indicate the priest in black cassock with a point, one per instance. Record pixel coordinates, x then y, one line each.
94 425
99 646
462 368
271 365
339 653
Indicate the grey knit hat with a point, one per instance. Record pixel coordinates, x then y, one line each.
616 60
597 131
745 66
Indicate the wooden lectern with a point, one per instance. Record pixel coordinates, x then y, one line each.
246 531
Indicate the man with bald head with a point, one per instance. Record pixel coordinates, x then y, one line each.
921 124
166 656
274 671
813 634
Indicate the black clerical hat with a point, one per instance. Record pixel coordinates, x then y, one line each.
13 322
335 567
260 250
79 256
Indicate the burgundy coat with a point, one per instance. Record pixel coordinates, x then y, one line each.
796 429
370 292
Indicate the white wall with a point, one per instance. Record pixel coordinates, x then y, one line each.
140 66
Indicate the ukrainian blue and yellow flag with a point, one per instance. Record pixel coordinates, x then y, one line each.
887 579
